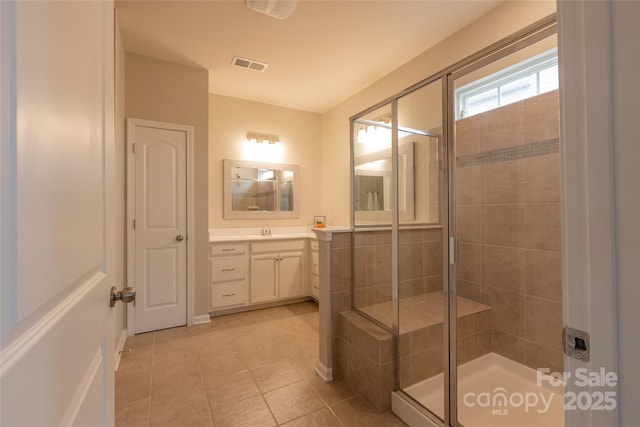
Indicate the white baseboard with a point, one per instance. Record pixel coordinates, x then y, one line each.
119 347
200 320
325 373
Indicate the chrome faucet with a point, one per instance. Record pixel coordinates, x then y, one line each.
266 231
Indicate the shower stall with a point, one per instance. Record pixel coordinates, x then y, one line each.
456 242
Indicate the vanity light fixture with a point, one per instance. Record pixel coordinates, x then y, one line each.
375 131
362 135
263 138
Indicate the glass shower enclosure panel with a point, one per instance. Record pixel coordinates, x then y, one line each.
421 291
508 274
372 193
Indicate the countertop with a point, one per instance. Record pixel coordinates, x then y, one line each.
277 233
252 234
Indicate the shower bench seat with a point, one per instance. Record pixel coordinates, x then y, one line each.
368 352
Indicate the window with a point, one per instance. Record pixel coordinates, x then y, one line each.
265 174
524 80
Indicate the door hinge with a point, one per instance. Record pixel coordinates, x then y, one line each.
134 224
133 147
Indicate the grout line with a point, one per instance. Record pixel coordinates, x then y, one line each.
336 415
263 399
204 387
153 357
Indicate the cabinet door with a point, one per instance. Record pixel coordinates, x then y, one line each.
291 277
264 285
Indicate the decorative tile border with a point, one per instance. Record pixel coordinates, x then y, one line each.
533 149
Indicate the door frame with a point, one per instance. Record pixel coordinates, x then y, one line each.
131 198
587 144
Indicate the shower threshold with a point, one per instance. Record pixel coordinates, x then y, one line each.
493 391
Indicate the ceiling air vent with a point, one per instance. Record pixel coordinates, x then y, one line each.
249 63
280 9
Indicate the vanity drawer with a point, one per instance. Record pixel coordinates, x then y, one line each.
315 263
216 249
225 269
277 246
227 294
315 245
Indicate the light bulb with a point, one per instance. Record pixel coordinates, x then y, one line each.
362 136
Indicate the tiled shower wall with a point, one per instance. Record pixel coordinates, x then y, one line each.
248 193
508 216
420 267
265 195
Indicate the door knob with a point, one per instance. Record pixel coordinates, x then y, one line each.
126 295
179 237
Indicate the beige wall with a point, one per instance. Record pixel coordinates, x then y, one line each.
300 134
167 92
501 22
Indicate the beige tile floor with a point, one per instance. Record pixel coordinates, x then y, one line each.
246 369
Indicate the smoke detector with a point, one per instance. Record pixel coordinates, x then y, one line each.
280 9
249 63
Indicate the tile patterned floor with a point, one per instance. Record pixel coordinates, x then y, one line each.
245 369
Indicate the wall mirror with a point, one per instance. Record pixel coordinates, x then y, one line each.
372 185
254 190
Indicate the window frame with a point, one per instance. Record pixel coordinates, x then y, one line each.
528 67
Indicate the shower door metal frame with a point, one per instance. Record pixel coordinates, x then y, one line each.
395 229
529 35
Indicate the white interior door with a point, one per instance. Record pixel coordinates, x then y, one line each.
160 159
57 361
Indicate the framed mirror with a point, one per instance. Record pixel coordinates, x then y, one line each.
372 185
254 190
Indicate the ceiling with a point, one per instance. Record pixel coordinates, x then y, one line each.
323 53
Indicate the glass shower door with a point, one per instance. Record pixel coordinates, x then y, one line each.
508 279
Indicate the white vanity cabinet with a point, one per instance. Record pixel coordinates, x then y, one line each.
227 275
315 270
277 270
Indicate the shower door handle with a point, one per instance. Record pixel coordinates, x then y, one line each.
454 250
